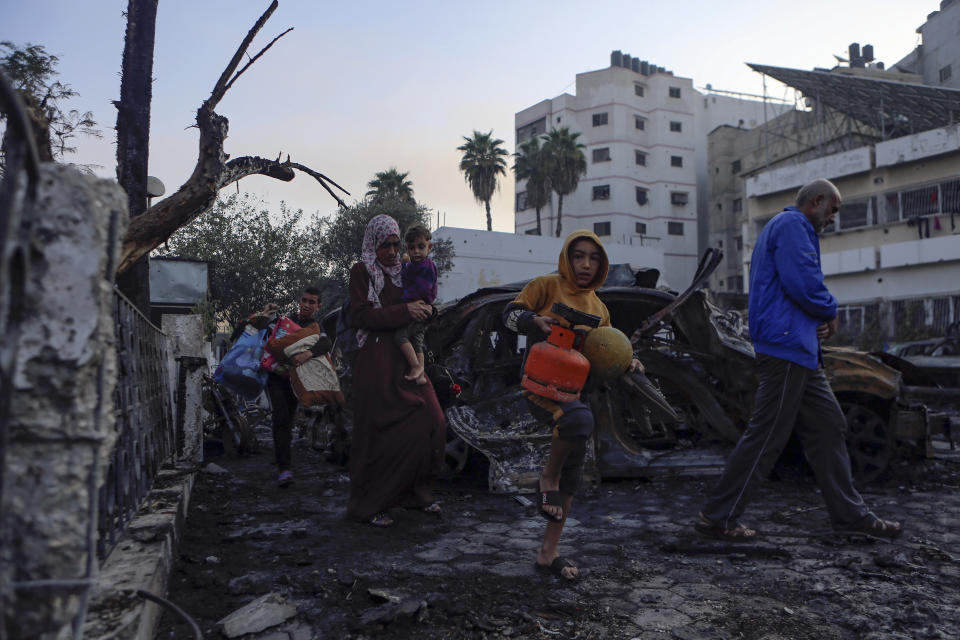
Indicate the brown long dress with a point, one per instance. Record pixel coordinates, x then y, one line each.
399 430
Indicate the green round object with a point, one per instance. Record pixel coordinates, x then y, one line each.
609 352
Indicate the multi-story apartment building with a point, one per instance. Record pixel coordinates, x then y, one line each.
937 57
735 154
892 146
645 135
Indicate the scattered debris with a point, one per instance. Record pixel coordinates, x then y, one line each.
263 613
215 469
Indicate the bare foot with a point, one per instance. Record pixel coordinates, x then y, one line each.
415 374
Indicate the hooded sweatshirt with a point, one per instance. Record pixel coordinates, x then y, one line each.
540 293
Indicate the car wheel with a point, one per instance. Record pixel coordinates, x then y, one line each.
870 441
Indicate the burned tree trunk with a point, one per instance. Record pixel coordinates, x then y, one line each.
133 132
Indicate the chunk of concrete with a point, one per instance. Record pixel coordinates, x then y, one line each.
215 469
263 613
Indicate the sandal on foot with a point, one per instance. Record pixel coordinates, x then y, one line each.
556 568
551 498
737 533
433 509
381 519
873 527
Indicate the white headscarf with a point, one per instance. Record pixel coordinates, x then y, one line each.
378 230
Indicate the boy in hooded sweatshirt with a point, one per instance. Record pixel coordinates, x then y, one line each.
582 269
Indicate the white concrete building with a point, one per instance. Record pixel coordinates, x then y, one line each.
492 258
645 132
937 57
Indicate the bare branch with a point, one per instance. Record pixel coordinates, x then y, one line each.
251 165
254 59
221 86
212 172
322 179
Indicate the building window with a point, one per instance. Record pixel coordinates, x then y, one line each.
640 157
599 119
735 167
601 228
676 126
675 228
641 196
639 122
738 283
739 243
678 197
738 205
945 73
532 129
601 192
642 228
676 161
601 155
521 201
638 90
674 92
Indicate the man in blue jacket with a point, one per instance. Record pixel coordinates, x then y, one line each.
791 310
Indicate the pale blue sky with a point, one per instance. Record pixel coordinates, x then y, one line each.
358 87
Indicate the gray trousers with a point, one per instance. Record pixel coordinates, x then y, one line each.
786 392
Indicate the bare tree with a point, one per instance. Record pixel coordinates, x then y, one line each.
213 170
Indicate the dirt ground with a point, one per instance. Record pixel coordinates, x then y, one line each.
645 573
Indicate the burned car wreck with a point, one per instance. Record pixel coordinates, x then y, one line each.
697 392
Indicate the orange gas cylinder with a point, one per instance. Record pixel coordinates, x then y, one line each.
555 369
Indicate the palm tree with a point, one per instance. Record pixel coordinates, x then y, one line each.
567 164
481 163
390 184
533 165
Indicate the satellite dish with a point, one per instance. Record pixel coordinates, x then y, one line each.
155 188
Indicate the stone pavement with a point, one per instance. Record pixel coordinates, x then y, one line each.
645 574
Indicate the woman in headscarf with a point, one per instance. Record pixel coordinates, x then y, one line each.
398 427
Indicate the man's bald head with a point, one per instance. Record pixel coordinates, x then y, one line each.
819 201
809 192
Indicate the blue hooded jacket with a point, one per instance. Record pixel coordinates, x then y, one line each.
788 298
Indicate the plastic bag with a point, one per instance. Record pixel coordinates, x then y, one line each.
240 370
269 362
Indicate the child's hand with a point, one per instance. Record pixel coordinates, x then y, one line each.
543 323
419 310
636 365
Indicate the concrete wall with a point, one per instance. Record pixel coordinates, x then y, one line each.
491 258
185 342
62 422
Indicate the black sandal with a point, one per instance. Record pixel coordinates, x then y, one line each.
381 519
737 533
874 527
551 498
556 568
